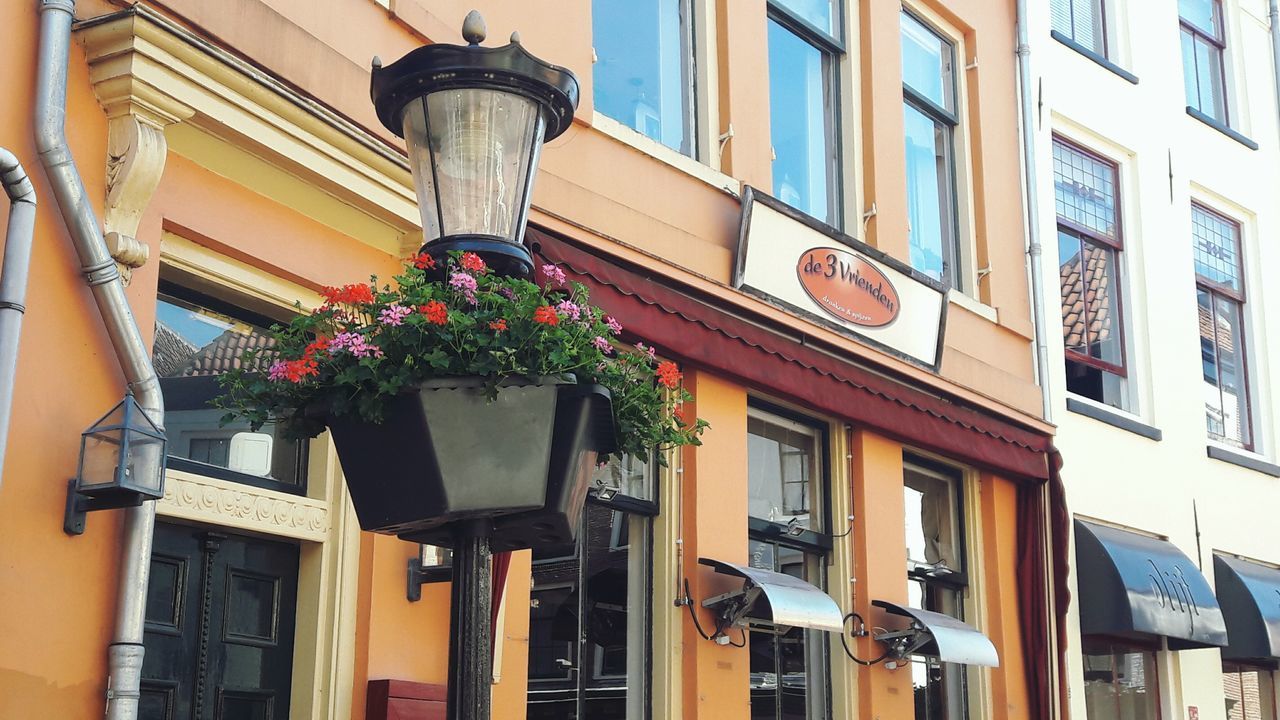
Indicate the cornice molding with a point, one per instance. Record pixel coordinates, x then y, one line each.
147 67
243 507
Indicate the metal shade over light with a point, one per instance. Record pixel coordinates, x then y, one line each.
772 600
474 120
936 635
110 452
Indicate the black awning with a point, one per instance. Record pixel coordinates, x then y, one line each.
1250 597
1133 584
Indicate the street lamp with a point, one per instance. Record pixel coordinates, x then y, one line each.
474 120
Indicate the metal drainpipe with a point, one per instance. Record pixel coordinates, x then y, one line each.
124 654
1034 249
13 280
1273 15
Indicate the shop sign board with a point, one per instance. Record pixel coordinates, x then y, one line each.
809 268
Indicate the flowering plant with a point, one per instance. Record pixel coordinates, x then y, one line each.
365 345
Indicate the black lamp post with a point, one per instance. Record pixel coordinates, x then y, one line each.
474 120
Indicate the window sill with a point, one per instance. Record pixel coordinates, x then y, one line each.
977 307
656 150
1114 419
1216 125
1125 74
1243 459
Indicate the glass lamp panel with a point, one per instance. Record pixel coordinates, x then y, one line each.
473 171
99 458
145 451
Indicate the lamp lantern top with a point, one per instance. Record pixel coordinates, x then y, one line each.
442 66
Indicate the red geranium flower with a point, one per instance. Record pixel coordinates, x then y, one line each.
473 262
546 315
668 374
498 325
437 312
423 261
354 294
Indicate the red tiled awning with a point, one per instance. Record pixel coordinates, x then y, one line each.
703 333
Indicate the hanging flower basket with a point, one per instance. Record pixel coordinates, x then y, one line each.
459 394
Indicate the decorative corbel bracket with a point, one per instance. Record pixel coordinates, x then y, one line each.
137 114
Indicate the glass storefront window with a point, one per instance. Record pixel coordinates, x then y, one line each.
1120 682
197 339
642 76
936 581
783 468
1249 692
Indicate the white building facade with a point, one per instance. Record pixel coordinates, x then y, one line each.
1158 180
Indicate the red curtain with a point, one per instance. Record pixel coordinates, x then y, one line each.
1036 620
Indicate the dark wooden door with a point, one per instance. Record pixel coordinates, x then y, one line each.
220 623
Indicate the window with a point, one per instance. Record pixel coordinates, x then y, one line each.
803 52
785 479
1089 246
643 74
936 580
1250 692
1203 42
589 606
1220 297
1120 681
929 94
197 339
1082 21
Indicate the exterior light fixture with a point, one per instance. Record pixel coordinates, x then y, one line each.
604 492
474 120
110 451
434 564
794 528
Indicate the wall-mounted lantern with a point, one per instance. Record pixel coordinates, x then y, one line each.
434 564
111 450
474 120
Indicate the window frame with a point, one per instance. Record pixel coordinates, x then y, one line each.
1217 291
176 289
954 271
1116 246
832 49
814 545
958 582
693 121
1220 44
1103 30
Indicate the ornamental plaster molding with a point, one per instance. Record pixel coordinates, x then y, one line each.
243 507
137 114
146 67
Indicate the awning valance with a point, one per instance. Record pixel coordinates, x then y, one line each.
775 600
1133 584
948 639
1249 594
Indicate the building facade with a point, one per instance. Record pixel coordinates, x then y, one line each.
892 458
1157 152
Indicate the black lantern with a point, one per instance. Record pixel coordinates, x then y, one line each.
121 464
474 120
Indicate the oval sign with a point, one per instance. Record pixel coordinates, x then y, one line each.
848 287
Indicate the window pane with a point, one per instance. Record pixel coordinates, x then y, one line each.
931 226
193 346
1217 249
1226 401
782 467
926 62
1203 14
1084 190
631 476
1088 25
798 113
1209 79
817 12
641 73
1060 16
1120 684
1190 76
932 522
789 677
1249 693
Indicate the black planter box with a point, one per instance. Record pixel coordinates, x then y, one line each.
446 453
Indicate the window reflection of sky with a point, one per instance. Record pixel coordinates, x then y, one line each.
797 122
196 328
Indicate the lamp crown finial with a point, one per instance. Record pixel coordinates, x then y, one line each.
473 28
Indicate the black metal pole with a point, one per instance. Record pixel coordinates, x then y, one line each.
471 629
